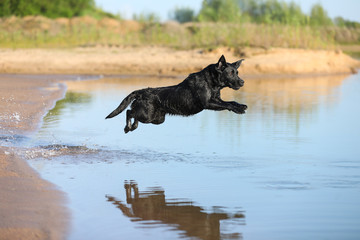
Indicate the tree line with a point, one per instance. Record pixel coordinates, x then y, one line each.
259 11
51 9
255 11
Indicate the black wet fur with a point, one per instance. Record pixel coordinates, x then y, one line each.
197 92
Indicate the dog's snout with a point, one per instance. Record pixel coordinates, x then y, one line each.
241 82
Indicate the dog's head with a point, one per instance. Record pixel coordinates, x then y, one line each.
229 73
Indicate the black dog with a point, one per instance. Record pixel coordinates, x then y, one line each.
197 92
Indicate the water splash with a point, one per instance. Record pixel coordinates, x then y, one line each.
55 150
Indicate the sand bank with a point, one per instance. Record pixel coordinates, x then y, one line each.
30 208
166 61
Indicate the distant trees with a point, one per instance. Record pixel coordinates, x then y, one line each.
237 11
211 11
183 14
51 9
273 11
219 11
341 22
259 11
319 17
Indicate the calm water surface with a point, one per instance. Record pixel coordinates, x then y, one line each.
287 169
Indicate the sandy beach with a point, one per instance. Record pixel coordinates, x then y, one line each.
31 208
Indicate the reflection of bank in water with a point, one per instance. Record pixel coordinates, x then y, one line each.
291 101
152 208
295 94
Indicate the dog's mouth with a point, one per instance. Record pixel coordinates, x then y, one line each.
238 86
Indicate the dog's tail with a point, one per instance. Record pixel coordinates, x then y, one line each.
123 104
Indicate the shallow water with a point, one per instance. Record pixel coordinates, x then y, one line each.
287 169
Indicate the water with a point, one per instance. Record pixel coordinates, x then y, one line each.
287 169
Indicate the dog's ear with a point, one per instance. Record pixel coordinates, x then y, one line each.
237 64
221 65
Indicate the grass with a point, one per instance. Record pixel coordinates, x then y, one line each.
30 32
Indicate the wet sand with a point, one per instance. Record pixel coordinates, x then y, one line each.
30 207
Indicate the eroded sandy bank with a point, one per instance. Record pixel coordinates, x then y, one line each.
158 60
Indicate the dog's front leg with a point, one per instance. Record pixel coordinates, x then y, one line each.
218 105
238 108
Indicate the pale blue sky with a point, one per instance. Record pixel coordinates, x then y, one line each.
348 9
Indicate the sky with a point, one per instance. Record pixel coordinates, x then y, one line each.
348 9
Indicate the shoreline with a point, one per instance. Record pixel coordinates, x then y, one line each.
30 207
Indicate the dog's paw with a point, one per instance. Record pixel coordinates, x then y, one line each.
240 108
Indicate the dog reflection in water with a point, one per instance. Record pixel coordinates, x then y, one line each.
183 215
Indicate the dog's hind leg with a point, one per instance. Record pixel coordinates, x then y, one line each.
159 118
128 125
134 125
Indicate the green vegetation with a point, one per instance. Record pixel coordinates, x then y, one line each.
147 18
183 15
232 23
261 12
319 17
341 22
273 12
219 11
51 9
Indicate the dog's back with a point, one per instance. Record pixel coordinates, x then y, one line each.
180 99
